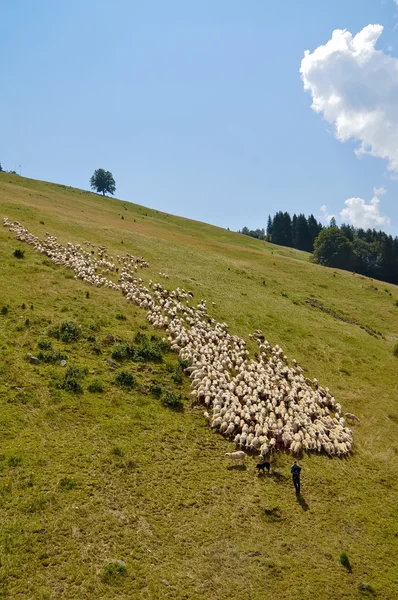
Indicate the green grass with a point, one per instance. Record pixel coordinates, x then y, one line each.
110 494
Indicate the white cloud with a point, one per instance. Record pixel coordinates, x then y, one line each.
360 214
355 87
325 216
381 190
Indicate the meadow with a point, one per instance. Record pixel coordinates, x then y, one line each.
110 492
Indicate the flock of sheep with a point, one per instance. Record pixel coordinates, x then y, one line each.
262 405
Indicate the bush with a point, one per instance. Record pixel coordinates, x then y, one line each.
178 375
72 379
395 351
95 387
44 345
18 253
4 310
67 332
121 317
117 451
51 357
14 461
125 379
172 400
184 363
345 561
156 390
123 352
67 483
114 570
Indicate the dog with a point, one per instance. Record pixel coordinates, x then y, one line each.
263 465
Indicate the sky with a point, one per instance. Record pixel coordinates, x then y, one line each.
218 110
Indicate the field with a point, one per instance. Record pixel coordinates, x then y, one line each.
113 493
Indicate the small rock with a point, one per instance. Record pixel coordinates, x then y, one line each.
253 554
63 363
109 339
34 360
120 562
165 582
214 488
111 363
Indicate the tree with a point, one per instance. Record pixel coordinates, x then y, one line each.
302 239
333 249
102 181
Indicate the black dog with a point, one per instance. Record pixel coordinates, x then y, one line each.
262 466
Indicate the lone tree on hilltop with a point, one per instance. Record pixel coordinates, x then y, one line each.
102 181
1 168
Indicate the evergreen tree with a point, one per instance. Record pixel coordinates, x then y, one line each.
269 228
302 238
314 229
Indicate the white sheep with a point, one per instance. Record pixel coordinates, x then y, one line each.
236 456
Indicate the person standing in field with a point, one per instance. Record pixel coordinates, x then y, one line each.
295 471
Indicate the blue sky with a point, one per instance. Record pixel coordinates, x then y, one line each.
198 108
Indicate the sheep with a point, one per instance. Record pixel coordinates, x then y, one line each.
236 456
265 403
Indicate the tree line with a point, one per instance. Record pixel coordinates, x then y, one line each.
369 252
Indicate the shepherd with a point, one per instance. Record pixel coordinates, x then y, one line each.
295 471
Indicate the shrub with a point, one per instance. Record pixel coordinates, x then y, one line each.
117 451
140 338
121 317
67 332
14 461
4 310
51 357
184 363
125 379
72 379
18 253
114 570
44 345
67 483
178 374
147 350
172 400
156 390
122 352
395 351
95 387
345 561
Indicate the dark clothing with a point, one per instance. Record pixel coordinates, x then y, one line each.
295 471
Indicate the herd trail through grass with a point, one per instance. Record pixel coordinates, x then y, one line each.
107 490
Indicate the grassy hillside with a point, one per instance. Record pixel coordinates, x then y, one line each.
97 477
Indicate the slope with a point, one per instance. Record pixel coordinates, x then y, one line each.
92 478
